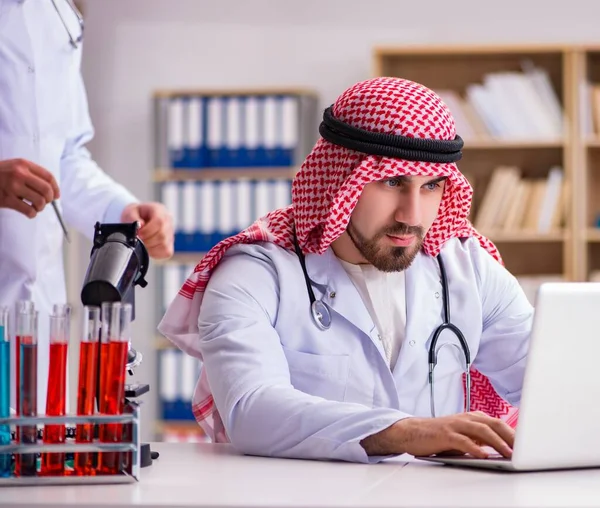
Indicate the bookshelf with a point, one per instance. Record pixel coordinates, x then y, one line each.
587 67
222 159
568 247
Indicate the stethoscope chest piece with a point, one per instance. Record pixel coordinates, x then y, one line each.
321 314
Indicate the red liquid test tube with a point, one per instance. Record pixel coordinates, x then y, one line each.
27 330
114 376
86 386
53 464
109 327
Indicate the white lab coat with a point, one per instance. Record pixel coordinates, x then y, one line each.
44 118
285 388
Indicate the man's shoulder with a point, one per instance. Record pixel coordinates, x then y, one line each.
465 247
467 255
243 258
258 250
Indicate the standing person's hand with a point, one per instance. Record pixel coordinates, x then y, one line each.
156 227
26 187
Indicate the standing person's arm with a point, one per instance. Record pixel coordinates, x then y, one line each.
88 193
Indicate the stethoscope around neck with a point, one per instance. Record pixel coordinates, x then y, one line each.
321 316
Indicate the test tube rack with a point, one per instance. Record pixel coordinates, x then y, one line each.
131 475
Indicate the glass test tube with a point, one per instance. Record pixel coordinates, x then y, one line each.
53 464
110 463
86 386
27 330
22 306
63 309
5 458
109 328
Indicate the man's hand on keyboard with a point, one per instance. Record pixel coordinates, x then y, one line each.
463 433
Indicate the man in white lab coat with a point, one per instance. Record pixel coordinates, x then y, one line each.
315 325
44 127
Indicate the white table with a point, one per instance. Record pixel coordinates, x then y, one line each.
210 475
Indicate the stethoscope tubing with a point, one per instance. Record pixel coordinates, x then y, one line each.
321 316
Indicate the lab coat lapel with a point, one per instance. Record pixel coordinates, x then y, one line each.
423 311
338 291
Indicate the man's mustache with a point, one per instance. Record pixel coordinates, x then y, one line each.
403 229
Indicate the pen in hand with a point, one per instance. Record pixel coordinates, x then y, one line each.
60 219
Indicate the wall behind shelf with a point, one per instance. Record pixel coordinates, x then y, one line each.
133 47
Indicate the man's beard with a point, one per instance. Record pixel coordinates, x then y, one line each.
384 258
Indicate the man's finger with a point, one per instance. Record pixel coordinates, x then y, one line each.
152 228
35 198
160 248
40 186
46 176
465 444
484 434
505 431
20 206
158 239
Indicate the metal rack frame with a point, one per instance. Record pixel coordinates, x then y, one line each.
131 416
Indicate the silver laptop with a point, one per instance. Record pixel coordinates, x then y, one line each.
559 417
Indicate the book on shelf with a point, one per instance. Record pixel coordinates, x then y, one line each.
508 105
178 373
229 130
514 203
172 278
591 113
205 212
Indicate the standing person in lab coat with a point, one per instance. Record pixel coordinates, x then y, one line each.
314 325
44 127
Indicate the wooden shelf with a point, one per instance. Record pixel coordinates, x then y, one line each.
593 235
573 252
506 144
593 142
181 258
174 175
225 92
524 236
454 49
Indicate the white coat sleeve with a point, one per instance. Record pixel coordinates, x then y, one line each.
88 194
507 321
249 376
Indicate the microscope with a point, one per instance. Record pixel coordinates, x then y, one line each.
119 262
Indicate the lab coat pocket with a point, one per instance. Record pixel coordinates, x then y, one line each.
321 375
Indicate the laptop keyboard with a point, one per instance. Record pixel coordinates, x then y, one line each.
492 456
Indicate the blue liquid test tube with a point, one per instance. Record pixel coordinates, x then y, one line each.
5 458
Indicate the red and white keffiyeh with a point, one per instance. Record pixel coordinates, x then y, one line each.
324 194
